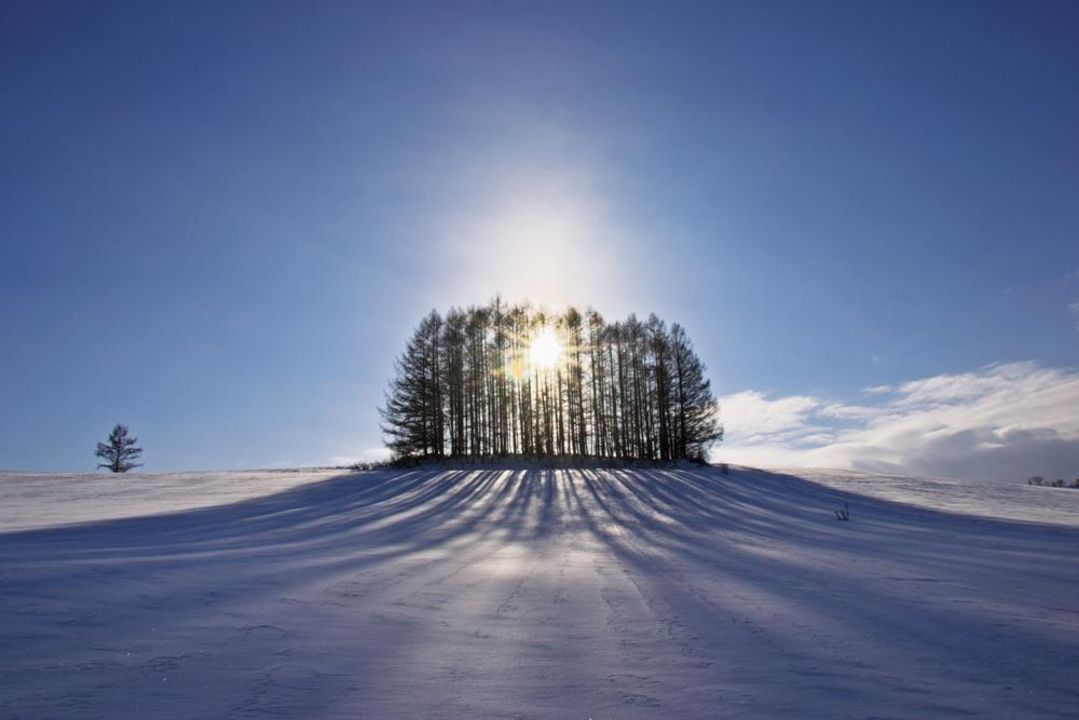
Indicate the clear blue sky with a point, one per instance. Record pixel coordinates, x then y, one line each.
219 222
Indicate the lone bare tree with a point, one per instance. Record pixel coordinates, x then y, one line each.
120 452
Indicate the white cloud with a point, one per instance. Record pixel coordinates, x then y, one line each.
848 412
759 417
1005 421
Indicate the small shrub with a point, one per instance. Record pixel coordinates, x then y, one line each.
842 513
1039 481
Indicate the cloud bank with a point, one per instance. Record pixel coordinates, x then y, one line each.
1001 422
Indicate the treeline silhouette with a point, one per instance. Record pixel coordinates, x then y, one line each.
515 380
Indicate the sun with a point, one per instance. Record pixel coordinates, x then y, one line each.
545 350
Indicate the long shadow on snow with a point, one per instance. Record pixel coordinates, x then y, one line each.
755 530
748 529
340 525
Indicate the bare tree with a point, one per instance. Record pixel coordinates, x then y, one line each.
120 451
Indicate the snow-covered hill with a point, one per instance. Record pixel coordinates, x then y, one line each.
1006 501
36 500
528 593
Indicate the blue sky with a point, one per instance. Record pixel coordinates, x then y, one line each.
220 221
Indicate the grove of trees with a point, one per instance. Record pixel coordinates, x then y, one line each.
515 380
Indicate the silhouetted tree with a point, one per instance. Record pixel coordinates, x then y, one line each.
698 426
120 451
412 417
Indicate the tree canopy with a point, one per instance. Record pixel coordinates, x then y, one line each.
516 380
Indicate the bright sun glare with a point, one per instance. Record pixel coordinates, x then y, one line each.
545 350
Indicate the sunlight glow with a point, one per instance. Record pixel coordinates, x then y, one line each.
536 225
545 351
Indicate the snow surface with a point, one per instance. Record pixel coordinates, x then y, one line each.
1007 500
32 500
530 594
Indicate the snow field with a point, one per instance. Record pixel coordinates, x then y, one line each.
533 594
